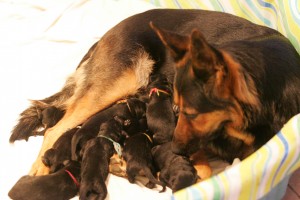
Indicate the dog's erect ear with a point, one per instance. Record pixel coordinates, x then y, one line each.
177 44
204 57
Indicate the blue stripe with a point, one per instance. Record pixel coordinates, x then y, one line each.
286 149
220 5
258 14
267 5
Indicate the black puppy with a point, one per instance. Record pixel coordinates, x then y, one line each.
61 185
175 170
60 151
137 154
96 155
160 115
132 110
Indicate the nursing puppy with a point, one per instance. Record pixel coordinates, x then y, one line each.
160 115
138 157
131 110
61 185
131 51
61 151
176 171
96 155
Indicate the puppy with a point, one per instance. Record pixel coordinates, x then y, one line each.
131 110
61 151
176 171
96 155
234 96
137 154
160 115
120 63
61 185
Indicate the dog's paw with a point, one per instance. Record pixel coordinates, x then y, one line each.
38 169
203 171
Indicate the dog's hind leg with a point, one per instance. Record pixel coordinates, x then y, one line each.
95 98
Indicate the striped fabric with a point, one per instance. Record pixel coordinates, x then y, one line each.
282 15
257 175
265 173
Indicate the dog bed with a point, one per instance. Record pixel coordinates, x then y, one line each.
264 174
42 42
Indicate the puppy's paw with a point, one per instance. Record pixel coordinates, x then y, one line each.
38 169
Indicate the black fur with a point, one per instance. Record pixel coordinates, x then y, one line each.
91 127
96 155
160 115
58 186
175 170
137 154
60 151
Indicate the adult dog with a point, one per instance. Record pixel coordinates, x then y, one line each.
226 84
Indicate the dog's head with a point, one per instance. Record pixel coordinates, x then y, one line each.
209 87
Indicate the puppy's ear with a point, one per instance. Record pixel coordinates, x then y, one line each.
205 59
177 44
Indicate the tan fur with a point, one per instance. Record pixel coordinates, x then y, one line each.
201 164
243 90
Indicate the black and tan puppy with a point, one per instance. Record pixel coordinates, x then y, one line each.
61 185
131 110
138 157
61 151
241 81
160 115
175 170
96 155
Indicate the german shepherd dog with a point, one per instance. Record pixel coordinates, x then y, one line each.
96 155
160 115
139 160
60 151
236 83
61 185
131 110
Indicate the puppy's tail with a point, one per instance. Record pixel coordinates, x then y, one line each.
152 179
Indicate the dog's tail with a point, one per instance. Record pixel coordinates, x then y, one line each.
29 123
30 120
152 179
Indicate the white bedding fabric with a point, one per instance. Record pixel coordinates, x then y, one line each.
41 43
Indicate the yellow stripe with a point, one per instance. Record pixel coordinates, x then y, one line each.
245 166
225 184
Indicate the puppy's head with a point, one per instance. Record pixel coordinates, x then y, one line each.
209 88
